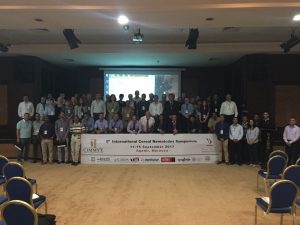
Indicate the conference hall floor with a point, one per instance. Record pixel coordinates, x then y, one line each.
205 194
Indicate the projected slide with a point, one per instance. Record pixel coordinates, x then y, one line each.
146 82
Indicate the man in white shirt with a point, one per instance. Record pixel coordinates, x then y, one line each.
291 137
41 107
134 126
229 109
155 109
236 133
25 107
147 122
98 106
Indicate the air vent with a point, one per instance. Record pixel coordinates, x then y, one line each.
43 29
69 60
212 59
231 29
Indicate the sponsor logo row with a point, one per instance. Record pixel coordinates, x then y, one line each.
136 159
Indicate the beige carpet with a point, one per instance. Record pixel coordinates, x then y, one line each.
149 194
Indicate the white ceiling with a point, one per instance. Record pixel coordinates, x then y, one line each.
262 26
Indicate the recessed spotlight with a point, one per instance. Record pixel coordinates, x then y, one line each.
296 17
38 20
123 20
210 19
126 27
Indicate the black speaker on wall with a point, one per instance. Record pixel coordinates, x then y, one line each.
191 42
71 38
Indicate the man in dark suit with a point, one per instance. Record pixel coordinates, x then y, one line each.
266 138
171 107
174 126
141 107
162 125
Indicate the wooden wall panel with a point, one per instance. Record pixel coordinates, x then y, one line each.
4 105
286 103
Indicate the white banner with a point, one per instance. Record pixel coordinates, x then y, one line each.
148 148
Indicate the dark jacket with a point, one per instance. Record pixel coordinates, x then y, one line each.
222 130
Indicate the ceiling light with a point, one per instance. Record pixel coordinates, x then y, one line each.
296 17
126 27
123 20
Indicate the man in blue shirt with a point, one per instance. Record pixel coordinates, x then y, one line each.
222 132
116 125
23 131
101 124
88 123
187 109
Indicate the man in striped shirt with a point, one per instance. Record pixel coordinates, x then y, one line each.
76 129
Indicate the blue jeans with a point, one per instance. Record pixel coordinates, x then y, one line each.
25 144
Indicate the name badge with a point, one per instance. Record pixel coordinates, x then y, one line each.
216 110
61 129
186 111
112 110
45 132
127 115
143 108
69 111
221 132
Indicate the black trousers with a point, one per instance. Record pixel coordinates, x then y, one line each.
185 124
245 151
265 149
36 142
293 152
235 152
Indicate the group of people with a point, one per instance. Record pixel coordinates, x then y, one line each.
250 142
63 121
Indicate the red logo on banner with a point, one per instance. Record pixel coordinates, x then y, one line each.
168 159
